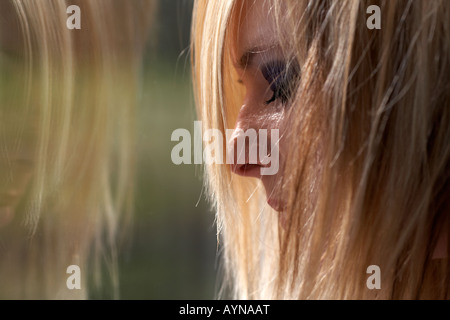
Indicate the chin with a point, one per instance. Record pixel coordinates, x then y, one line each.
274 195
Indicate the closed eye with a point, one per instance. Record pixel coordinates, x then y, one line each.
282 79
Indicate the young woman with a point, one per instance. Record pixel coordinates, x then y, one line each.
66 139
364 151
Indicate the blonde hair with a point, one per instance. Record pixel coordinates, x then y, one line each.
75 90
368 170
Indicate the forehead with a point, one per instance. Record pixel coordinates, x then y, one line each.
256 26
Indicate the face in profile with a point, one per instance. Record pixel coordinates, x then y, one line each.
362 115
268 78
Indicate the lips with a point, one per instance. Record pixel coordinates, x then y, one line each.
247 170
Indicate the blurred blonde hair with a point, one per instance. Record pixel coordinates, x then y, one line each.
368 169
76 89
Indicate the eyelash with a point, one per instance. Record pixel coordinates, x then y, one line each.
281 78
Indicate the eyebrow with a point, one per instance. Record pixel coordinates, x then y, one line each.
247 58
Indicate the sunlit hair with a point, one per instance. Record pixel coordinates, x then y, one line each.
368 170
68 96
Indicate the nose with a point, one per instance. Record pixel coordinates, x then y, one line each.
246 143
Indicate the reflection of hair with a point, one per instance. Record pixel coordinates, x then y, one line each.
369 169
76 90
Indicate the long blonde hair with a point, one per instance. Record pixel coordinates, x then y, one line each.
72 92
368 170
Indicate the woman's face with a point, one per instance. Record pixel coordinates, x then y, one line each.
262 70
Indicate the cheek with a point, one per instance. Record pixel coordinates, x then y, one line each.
259 115
257 89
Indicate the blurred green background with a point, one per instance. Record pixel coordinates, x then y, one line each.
172 253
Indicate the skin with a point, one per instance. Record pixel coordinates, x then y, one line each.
256 46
